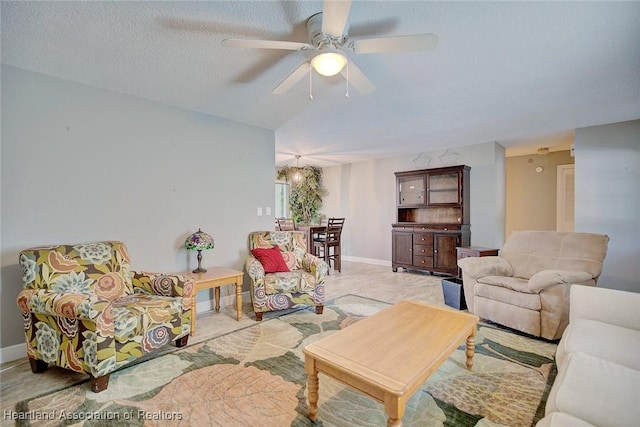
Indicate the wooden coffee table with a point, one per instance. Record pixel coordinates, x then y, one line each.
390 354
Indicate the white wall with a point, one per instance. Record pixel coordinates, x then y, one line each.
81 164
608 197
364 193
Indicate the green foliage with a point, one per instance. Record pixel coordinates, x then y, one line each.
305 198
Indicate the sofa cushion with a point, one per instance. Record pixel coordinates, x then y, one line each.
508 296
271 259
100 268
602 340
291 260
515 283
137 313
595 390
532 251
561 419
289 282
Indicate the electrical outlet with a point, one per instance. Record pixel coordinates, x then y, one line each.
268 210
259 211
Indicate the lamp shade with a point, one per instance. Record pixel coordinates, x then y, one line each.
199 241
329 63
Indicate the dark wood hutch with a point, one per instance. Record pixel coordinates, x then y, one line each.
432 219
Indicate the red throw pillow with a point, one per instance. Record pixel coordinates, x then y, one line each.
271 259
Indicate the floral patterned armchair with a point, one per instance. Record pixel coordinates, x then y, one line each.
85 310
302 285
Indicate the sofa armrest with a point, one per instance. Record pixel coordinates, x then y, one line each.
168 285
316 266
605 305
545 278
485 266
254 268
62 304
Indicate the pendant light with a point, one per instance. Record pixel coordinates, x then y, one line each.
297 176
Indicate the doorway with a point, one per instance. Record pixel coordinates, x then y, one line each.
565 195
532 191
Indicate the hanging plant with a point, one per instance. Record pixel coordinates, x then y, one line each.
305 197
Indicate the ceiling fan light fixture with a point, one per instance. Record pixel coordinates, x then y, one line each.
329 63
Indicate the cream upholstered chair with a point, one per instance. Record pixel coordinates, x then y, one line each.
527 286
277 286
85 310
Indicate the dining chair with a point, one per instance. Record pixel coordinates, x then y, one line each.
286 224
328 245
319 232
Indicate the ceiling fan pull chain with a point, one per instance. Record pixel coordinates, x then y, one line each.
346 95
310 85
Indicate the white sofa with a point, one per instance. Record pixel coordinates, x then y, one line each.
598 360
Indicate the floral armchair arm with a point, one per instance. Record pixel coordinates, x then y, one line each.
169 285
63 304
316 266
255 270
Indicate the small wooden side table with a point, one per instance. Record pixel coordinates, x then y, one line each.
215 277
473 251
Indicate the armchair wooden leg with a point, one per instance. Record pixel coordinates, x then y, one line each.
38 366
319 309
181 342
99 384
258 316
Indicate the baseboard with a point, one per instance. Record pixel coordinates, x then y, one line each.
374 261
18 351
14 352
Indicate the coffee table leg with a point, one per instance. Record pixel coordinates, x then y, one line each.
312 386
471 348
394 410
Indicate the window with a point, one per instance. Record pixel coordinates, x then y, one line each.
282 200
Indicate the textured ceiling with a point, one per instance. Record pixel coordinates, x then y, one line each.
512 72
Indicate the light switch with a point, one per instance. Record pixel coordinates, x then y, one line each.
259 211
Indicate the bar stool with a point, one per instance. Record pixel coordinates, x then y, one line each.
327 246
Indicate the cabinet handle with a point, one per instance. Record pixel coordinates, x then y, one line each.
445 229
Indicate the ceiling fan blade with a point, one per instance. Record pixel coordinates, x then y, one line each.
395 44
265 44
334 16
357 79
292 79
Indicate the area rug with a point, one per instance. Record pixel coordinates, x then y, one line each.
255 377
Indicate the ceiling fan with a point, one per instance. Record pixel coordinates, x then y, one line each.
329 45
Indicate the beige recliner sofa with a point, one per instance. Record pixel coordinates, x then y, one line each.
527 286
